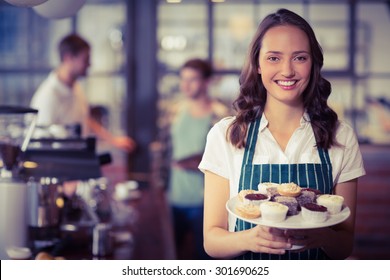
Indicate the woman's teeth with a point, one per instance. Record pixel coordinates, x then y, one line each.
286 83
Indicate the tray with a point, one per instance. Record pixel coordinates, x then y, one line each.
291 222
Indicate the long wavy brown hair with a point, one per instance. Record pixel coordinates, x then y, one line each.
253 95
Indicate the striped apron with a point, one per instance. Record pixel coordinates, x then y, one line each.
307 175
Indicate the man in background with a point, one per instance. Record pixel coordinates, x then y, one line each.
60 99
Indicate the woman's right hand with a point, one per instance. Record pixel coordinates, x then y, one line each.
262 239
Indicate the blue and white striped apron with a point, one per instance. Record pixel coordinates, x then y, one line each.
307 175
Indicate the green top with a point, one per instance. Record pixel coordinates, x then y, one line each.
188 135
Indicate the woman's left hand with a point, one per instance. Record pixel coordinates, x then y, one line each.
308 238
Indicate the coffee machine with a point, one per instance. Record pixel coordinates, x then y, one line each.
16 128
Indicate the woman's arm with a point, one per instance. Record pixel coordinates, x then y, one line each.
336 241
218 241
341 245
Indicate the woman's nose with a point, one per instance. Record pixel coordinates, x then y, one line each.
288 69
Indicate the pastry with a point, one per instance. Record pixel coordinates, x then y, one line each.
317 192
333 202
255 198
243 193
248 211
263 187
273 211
272 192
290 202
289 189
306 196
314 213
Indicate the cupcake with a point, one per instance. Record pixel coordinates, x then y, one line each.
334 203
263 187
290 202
306 196
249 211
317 192
255 198
314 213
273 211
289 189
243 193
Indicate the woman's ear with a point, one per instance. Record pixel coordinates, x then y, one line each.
259 70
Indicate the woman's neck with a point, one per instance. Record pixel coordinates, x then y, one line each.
283 120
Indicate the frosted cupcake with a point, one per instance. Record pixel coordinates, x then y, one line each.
289 189
333 203
248 211
243 193
314 213
290 202
273 211
306 196
255 198
263 187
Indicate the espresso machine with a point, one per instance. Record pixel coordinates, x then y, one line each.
16 128
58 220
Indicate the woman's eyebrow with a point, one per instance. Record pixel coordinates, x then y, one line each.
294 53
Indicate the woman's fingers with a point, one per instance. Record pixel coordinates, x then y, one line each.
271 240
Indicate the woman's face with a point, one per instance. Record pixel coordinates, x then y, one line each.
285 64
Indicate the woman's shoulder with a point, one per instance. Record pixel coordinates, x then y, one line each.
224 123
345 133
220 128
344 127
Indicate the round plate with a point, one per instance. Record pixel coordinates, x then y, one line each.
291 222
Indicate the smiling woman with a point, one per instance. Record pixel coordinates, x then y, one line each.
282 114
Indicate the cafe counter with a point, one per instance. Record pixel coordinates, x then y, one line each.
141 229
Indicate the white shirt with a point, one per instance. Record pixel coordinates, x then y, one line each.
221 158
59 104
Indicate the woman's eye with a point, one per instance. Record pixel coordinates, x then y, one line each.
273 58
300 58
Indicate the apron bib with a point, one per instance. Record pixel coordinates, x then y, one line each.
306 175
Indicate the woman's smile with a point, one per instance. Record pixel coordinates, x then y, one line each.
287 84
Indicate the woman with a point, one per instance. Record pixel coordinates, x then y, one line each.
283 123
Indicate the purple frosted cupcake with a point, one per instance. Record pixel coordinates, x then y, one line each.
290 202
306 196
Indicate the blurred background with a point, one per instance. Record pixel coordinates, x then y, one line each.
138 47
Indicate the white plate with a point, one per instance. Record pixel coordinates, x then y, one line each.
291 222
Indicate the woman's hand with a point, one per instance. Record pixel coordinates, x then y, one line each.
309 238
262 239
221 243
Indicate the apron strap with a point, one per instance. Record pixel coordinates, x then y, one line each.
325 160
251 142
324 156
250 146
